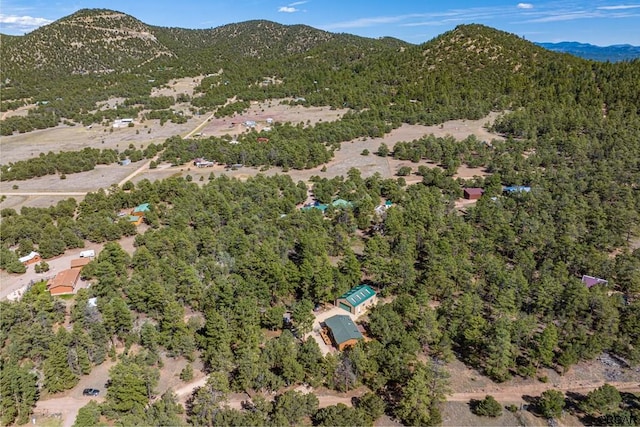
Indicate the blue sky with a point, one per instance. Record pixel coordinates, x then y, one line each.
416 21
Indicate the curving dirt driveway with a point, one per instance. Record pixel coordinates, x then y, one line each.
68 405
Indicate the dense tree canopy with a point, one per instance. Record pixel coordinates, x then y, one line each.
230 271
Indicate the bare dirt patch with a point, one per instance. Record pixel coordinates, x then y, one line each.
74 138
467 383
65 138
459 414
264 113
18 112
348 156
175 87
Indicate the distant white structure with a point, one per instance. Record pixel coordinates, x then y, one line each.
269 121
250 123
205 164
122 123
88 253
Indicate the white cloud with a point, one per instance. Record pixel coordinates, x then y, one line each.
525 6
569 16
620 7
288 9
23 21
17 25
364 22
297 3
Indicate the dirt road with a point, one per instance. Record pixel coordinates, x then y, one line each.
42 193
68 405
137 171
515 394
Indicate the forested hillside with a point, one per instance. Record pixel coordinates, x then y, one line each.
498 286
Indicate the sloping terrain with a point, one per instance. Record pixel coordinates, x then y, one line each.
89 41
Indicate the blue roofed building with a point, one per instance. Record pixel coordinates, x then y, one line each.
517 189
358 300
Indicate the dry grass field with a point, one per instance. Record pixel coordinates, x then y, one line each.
48 190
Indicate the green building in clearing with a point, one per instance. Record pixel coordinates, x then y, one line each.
344 333
358 299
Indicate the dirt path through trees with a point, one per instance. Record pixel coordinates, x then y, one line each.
515 394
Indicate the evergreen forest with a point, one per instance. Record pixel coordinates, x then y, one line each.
223 262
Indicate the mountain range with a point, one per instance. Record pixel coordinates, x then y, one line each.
614 53
103 41
71 65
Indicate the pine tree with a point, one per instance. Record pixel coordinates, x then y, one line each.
58 375
18 393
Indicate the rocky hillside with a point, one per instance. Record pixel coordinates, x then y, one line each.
89 41
106 41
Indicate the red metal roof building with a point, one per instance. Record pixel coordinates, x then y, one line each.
473 193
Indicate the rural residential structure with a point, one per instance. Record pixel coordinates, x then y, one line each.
358 300
64 282
135 219
140 210
473 193
343 332
32 258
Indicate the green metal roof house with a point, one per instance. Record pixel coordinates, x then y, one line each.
141 209
318 206
341 203
344 332
358 299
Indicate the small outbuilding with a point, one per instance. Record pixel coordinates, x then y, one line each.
64 282
32 258
358 300
591 281
473 193
343 332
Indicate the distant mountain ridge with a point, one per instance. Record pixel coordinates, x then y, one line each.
613 53
105 41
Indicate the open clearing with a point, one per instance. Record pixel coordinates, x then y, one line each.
48 190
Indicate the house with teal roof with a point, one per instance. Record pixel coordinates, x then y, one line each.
140 210
338 204
344 333
358 300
